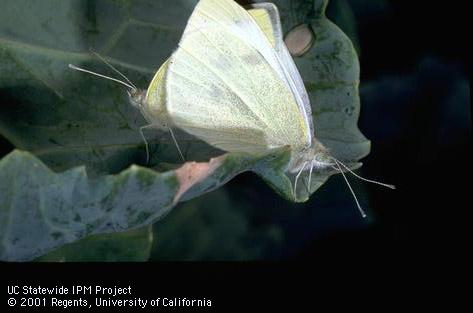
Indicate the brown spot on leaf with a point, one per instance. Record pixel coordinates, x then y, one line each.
192 173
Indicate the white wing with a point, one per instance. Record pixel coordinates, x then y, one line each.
225 84
293 76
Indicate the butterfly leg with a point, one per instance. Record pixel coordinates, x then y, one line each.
177 146
310 175
146 142
297 178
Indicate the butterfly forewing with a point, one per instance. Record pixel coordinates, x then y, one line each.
224 84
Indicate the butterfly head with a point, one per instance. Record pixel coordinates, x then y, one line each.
137 97
318 158
315 157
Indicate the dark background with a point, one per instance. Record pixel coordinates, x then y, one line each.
416 109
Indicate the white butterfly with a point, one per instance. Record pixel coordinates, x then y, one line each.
232 83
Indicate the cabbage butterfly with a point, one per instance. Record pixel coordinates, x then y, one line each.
233 84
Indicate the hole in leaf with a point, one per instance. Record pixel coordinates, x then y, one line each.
299 40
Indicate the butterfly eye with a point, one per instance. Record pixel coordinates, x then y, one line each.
322 159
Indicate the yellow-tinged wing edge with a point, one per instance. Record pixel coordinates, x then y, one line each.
155 101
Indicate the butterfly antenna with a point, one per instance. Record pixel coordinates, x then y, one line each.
362 212
297 178
146 142
177 146
113 68
72 66
362 178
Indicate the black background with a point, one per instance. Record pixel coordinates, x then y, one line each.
414 53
